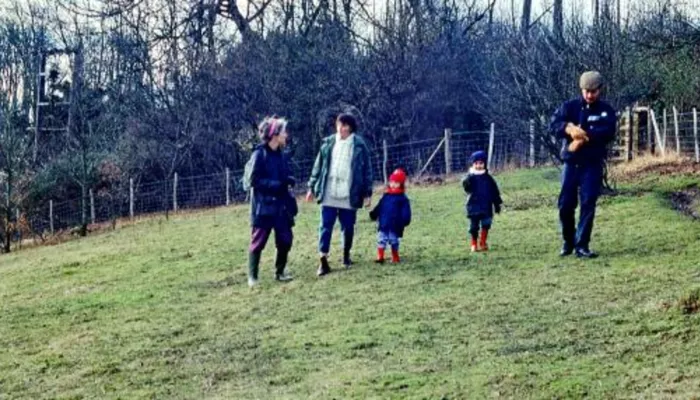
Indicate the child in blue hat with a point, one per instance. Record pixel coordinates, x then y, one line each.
484 199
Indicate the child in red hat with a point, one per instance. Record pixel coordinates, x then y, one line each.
393 215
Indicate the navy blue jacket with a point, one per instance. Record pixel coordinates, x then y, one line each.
484 195
598 120
392 213
271 201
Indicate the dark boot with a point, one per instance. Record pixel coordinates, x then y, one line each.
324 268
253 267
347 262
280 266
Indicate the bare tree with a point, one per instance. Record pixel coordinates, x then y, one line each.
525 18
558 19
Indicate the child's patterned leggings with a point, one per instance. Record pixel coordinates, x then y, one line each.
387 238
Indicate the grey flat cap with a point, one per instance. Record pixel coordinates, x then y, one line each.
591 80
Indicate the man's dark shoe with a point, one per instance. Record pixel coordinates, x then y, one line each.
347 261
566 250
324 268
585 253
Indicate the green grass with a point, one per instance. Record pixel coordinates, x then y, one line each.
161 309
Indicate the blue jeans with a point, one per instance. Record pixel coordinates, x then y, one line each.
579 181
387 238
325 230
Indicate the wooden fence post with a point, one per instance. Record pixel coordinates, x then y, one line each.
175 192
532 160
385 161
228 186
430 159
665 126
448 151
51 217
131 198
651 148
92 207
675 130
659 142
695 135
492 134
630 136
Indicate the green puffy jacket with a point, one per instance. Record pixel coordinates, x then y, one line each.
361 180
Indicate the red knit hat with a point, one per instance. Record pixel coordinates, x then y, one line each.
398 176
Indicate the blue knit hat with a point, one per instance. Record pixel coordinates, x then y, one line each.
478 156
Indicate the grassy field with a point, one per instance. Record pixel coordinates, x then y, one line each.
161 309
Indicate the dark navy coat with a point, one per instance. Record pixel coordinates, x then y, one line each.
392 213
484 195
598 120
271 201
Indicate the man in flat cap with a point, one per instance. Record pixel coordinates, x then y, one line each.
586 125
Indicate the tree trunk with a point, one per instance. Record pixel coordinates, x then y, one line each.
525 18
596 12
558 22
8 215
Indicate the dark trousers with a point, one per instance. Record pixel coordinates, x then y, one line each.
325 230
283 236
258 239
579 181
476 221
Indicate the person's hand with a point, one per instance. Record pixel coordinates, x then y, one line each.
368 202
575 145
373 215
309 196
497 208
576 132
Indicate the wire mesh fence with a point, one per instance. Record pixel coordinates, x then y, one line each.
682 137
519 147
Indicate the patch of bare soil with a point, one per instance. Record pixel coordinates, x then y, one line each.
643 166
687 202
430 181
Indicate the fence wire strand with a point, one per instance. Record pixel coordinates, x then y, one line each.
512 149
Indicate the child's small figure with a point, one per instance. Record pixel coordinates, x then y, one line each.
393 214
484 199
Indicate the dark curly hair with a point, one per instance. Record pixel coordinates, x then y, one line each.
349 120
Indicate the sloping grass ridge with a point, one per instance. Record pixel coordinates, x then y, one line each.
160 309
